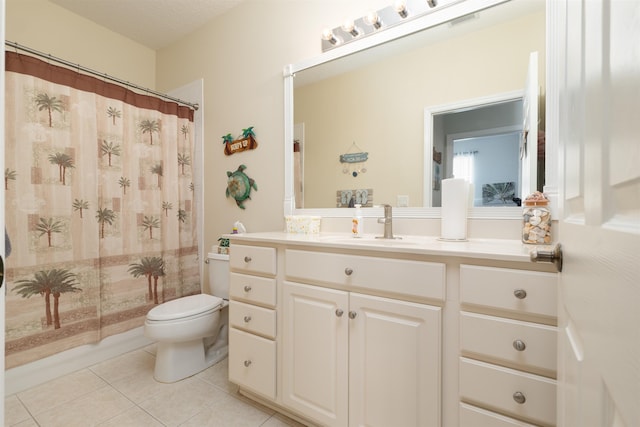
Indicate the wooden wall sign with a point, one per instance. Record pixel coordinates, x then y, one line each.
246 142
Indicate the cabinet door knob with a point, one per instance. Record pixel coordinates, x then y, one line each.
247 363
339 312
352 314
520 293
247 319
247 258
519 397
247 288
348 271
519 345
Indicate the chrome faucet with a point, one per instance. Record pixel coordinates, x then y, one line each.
388 223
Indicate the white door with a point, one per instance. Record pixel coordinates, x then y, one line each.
314 352
598 43
394 363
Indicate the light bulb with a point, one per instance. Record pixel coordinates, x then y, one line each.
400 7
328 35
373 19
350 27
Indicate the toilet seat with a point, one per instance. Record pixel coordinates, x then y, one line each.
180 308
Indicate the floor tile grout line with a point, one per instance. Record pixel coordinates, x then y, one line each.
26 409
33 413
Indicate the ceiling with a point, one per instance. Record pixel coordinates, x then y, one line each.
152 23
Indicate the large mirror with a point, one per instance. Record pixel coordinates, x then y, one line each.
384 124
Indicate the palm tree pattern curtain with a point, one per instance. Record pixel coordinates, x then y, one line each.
99 208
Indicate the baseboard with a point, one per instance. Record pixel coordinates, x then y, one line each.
35 373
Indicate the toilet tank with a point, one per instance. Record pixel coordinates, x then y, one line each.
219 274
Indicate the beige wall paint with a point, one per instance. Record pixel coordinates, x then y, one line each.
47 27
241 57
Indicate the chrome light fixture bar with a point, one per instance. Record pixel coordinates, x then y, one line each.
374 21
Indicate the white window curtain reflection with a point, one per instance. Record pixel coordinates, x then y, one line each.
463 165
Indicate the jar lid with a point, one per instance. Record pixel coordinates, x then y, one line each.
536 198
536 202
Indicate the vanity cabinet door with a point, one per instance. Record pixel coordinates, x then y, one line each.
394 362
252 361
315 346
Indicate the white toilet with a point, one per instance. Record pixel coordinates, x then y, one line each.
192 331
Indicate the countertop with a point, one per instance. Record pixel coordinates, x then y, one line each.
494 249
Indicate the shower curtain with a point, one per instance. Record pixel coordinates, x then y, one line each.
99 208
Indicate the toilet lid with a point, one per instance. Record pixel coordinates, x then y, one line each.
184 307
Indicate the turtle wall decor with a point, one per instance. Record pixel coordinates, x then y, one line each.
239 185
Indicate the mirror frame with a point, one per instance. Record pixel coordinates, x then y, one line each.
439 16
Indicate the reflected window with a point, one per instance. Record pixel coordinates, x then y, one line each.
463 162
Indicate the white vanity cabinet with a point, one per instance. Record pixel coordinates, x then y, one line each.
351 358
252 319
414 332
507 367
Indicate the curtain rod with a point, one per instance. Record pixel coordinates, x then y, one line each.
98 74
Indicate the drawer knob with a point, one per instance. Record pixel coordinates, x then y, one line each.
247 319
247 258
339 312
520 293
348 271
519 397
247 288
519 345
247 363
352 314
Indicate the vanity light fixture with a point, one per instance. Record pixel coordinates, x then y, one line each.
328 35
400 6
373 19
350 27
397 12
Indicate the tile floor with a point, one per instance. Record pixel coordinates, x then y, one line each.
121 392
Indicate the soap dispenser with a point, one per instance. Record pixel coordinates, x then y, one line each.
357 227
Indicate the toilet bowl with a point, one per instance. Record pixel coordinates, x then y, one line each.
191 332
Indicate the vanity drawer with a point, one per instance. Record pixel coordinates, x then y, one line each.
252 289
413 278
524 345
471 416
253 259
530 292
252 318
497 388
252 362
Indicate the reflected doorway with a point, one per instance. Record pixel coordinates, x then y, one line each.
484 140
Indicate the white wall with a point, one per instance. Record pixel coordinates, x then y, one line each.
47 27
